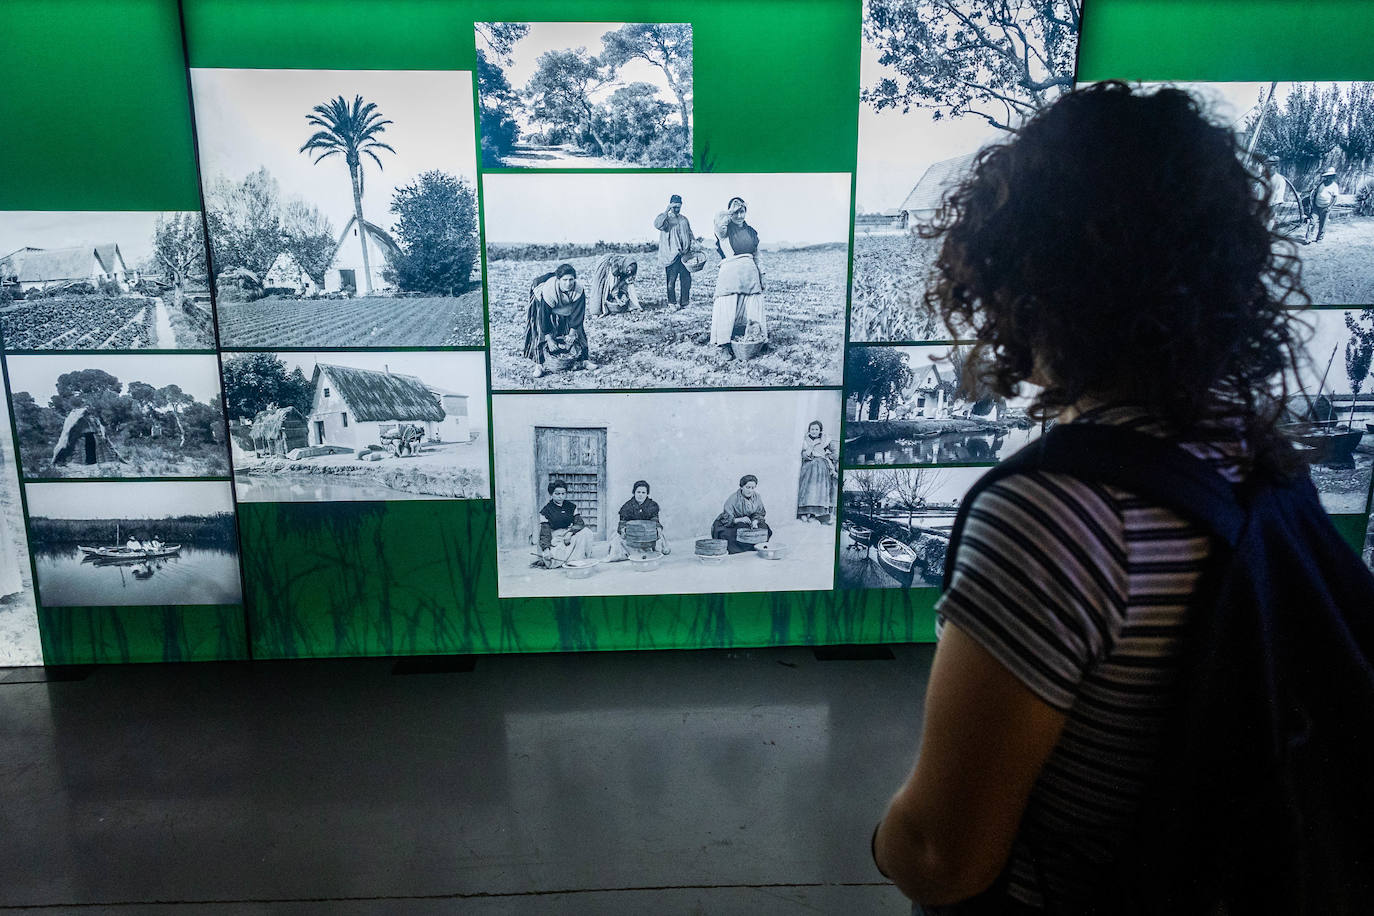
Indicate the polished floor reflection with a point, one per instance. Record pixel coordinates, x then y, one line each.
742 781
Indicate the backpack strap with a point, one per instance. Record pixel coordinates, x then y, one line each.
1147 466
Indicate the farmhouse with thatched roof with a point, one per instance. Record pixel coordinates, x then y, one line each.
278 431
454 427
346 269
927 389
924 198
55 267
286 273
83 441
354 407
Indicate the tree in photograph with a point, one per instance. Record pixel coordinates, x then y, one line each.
665 45
350 131
179 250
999 60
98 391
876 376
1359 353
245 223
172 399
497 99
635 124
254 382
866 490
38 426
1357 143
1303 132
910 487
560 94
436 228
309 237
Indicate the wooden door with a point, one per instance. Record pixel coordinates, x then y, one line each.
576 456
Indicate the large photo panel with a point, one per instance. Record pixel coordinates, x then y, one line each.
896 524
1310 142
613 281
140 543
342 206
1331 406
119 415
920 128
19 639
354 425
907 405
585 94
665 493
104 280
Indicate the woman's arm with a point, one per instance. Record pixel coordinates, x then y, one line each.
948 831
545 534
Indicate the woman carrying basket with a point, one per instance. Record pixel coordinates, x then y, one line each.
738 309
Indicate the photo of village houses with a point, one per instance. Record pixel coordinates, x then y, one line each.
20 643
349 426
342 207
119 416
896 524
666 280
1313 144
920 128
118 280
1331 407
666 493
142 543
907 405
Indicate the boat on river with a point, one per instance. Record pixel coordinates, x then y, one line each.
127 555
896 557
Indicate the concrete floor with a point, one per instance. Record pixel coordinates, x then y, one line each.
727 782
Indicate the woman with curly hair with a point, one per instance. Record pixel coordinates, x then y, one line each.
1117 254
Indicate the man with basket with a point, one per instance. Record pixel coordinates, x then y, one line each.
677 252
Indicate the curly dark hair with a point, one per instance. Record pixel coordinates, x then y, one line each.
1117 249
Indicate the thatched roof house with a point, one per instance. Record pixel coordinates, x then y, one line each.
83 441
353 407
45 267
278 431
346 268
925 196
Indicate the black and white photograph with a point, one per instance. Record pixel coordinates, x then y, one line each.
119 416
1368 551
920 127
1331 407
896 525
104 543
342 207
666 492
350 426
19 639
666 280
1313 143
104 280
907 405
591 95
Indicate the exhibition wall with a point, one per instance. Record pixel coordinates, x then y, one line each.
291 369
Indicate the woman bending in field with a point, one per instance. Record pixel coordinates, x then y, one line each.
555 323
738 310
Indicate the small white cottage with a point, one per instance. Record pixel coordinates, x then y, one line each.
45 268
354 408
346 273
287 273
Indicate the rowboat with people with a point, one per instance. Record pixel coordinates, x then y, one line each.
129 555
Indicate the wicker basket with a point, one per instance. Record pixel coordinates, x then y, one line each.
558 363
745 349
752 536
712 547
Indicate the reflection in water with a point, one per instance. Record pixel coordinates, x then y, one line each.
946 448
68 578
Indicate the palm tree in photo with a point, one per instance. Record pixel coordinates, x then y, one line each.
350 131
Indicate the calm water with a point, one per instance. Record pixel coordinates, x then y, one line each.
195 576
947 448
304 488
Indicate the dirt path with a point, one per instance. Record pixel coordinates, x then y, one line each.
165 338
1335 270
557 157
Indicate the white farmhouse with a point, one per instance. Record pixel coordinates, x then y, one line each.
346 269
287 273
355 407
43 268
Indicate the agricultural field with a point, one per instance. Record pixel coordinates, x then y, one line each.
193 326
804 294
80 323
365 321
889 280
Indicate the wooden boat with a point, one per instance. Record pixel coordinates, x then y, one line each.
125 555
1326 443
860 536
896 557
